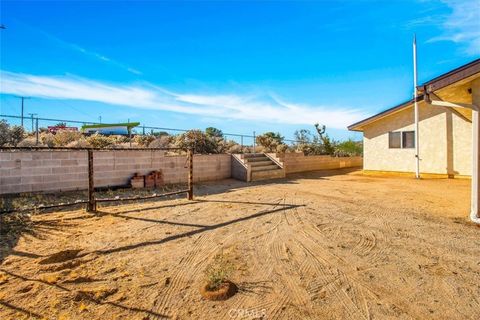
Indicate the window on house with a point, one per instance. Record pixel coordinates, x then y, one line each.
408 139
394 140
401 140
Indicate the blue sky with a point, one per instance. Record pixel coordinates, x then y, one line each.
239 66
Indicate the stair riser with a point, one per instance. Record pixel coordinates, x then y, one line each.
261 163
257 159
265 168
266 175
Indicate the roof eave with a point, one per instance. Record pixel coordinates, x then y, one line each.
359 125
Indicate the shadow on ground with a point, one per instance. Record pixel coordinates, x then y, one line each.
65 289
277 207
14 225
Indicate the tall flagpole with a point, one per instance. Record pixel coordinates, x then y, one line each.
417 146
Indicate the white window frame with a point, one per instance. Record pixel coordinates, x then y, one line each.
401 139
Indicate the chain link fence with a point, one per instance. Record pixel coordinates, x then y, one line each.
34 125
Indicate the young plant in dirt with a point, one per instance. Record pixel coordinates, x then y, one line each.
217 274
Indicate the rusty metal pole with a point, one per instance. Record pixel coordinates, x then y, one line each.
190 174
92 205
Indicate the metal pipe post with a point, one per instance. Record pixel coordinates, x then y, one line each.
36 131
190 174
92 205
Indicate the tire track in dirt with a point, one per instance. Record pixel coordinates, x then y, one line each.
333 284
194 263
289 262
270 254
365 245
262 260
162 305
374 256
326 281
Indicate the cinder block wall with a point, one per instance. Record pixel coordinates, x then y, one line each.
297 162
31 171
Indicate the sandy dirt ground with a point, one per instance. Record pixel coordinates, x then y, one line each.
323 245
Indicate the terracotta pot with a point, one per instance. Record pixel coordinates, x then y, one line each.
150 181
158 178
137 182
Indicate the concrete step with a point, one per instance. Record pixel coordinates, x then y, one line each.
258 159
261 163
265 168
253 155
268 174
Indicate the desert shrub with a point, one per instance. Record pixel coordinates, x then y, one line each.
28 142
218 272
235 148
118 139
47 139
80 143
163 141
349 148
197 140
143 140
4 133
281 148
304 142
64 137
270 141
100 141
17 134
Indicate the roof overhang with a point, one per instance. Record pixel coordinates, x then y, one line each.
359 125
447 84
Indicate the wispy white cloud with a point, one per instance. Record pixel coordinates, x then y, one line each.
267 108
99 56
79 49
461 25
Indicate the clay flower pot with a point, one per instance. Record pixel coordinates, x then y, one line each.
225 291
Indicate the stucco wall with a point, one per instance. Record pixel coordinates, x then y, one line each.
297 162
445 142
31 171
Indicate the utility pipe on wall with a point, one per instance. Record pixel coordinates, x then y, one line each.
417 146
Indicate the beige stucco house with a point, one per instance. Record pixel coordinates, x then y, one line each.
448 130
445 134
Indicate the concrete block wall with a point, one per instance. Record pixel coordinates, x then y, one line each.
298 162
32 171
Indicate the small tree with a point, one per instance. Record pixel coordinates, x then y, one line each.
270 141
4 133
197 140
214 132
327 144
349 148
159 134
303 136
17 134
